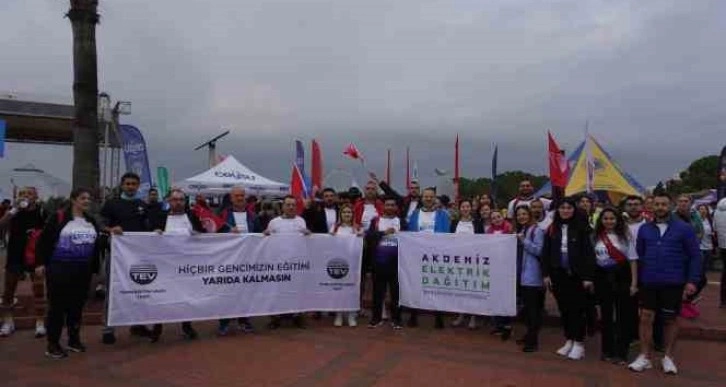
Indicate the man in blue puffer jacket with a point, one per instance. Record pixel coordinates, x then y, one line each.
669 270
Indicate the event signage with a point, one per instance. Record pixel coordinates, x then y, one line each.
473 274
234 175
137 159
168 278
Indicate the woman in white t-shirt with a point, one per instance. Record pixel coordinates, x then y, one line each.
616 282
466 224
346 228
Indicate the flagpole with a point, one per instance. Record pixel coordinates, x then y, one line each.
590 168
388 168
408 169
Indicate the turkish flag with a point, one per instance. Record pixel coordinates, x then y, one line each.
211 222
352 152
559 170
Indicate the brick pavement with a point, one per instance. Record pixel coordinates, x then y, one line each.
325 356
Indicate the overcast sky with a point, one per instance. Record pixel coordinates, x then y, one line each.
649 76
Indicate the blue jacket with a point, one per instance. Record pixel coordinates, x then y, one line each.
441 219
253 222
671 259
531 251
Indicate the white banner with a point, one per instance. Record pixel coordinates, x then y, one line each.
156 279
473 274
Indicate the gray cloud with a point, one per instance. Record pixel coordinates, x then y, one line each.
391 74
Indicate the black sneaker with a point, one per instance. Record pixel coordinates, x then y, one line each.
247 327
529 348
375 324
412 322
506 333
140 331
274 324
190 333
76 346
54 351
299 322
439 324
108 338
397 326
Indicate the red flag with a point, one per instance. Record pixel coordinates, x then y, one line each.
388 168
456 170
317 172
408 169
297 188
211 222
559 170
353 152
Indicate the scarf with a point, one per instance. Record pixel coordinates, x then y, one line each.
613 251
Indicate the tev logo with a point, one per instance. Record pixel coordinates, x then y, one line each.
338 268
143 274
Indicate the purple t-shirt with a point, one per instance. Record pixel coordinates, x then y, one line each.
387 248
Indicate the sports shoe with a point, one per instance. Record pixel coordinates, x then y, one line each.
577 352
669 367
384 316
40 330
375 324
54 351
640 364
472 323
396 325
7 328
246 326
565 350
458 322
352 321
190 333
108 338
338 320
76 346
222 330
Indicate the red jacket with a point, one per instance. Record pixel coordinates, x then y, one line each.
504 228
360 206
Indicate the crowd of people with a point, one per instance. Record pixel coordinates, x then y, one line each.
630 271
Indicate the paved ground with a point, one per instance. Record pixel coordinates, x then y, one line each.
327 356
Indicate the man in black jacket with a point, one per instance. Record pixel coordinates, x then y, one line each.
125 213
406 204
321 218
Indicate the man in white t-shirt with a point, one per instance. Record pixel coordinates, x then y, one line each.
178 221
524 198
288 223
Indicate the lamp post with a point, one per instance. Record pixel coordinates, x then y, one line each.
104 118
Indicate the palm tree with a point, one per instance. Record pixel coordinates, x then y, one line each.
84 17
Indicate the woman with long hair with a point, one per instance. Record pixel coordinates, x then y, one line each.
485 215
67 252
346 227
530 238
568 267
466 224
709 236
616 282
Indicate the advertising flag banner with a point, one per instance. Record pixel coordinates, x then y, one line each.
170 278
137 160
472 274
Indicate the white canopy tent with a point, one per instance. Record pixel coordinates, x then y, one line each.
230 173
46 184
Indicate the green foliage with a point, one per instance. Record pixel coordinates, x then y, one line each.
507 185
700 175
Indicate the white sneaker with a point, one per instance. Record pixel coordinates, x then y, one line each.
40 330
577 352
7 328
641 364
566 349
338 320
352 321
384 316
472 322
669 367
458 322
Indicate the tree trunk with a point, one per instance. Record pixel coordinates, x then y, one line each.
84 17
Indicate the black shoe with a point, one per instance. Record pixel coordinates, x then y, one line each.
439 323
246 327
506 333
317 316
76 346
140 331
54 351
190 333
529 348
412 322
108 338
154 337
274 324
375 324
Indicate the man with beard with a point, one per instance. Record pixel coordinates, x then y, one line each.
178 221
125 213
524 198
406 204
670 272
154 207
321 219
21 220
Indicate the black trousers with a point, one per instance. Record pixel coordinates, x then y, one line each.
533 299
158 328
618 309
723 276
385 276
68 285
572 302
